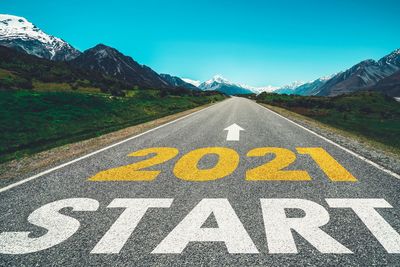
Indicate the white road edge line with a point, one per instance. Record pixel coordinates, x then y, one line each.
8 187
376 165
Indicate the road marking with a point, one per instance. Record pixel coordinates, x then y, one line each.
186 168
376 165
272 170
8 187
278 226
233 132
134 172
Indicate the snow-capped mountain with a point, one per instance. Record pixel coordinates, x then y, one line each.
259 90
219 83
18 33
193 82
214 83
312 87
289 88
362 76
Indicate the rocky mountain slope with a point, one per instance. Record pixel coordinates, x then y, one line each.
389 85
111 62
178 82
288 89
362 75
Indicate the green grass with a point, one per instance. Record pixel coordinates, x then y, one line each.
32 121
369 114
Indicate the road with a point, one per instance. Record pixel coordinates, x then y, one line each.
236 218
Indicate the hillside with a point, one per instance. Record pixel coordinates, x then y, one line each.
178 82
389 85
110 62
22 71
361 76
32 121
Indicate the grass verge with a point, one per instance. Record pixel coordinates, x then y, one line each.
32 121
32 164
368 116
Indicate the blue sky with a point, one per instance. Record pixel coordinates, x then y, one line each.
254 42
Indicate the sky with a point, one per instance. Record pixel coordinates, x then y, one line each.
254 42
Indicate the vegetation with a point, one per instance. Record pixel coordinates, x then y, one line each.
32 120
370 114
249 96
49 103
19 70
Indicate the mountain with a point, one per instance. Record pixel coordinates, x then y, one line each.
111 62
311 88
193 82
362 75
259 90
19 70
288 89
220 84
389 85
22 35
178 82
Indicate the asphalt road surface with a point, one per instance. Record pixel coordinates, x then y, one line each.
207 202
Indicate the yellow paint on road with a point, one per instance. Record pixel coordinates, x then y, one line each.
272 170
133 172
328 164
187 167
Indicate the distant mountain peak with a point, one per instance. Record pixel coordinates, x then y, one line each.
220 83
18 33
293 85
193 82
219 78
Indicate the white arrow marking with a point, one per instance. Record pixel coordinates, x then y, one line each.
233 132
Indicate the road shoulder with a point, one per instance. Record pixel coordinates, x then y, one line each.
374 151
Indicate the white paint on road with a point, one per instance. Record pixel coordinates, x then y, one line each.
98 151
365 210
278 227
230 230
174 121
233 132
116 237
59 227
376 165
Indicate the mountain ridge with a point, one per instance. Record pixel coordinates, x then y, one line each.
20 34
361 76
